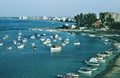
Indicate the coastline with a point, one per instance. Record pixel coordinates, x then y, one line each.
111 68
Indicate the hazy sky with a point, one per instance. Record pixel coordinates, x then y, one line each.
56 7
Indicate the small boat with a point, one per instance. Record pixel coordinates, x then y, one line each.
14 42
33 44
9 47
63 44
42 39
20 46
19 33
55 48
60 76
38 35
92 60
92 64
92 68
84 71
32 37
5 37
72 75
24 40
76 43
92 35
1 44
48 44
19 37
34 47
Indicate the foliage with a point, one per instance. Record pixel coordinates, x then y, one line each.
115 25
85 19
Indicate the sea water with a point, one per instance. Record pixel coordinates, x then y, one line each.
41 63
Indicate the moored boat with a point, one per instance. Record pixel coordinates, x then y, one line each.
92 64
72 75
76 43
9 47
20 46
1 44
84 71
55 48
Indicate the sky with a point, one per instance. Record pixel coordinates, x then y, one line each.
56 7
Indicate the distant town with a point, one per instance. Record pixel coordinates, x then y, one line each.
104 20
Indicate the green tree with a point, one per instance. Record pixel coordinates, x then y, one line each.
109 20
77 20
102 18
90 18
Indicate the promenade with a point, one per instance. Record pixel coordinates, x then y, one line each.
90 31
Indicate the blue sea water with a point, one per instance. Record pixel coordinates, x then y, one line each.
27 63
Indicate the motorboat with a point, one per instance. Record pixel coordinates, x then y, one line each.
1 44
9 47
92 35
19 33
84 71
55 48
92 64
14 42
24 40
32 37
60 76
20 46
76 43
92 60
42 39
5 37
72 75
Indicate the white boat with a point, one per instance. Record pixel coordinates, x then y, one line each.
14 42
72 75
84 71
59 38
100 59
34 47
19 33
33 44
1 44
92 35
20 46
48 44
24 40
92 60
63 44
5 37
19 37
55 48
92 64
60 76
42 39
92 69
76 43
9 47
48 40
32 37
38 35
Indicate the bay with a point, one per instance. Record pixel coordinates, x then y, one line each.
27 63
